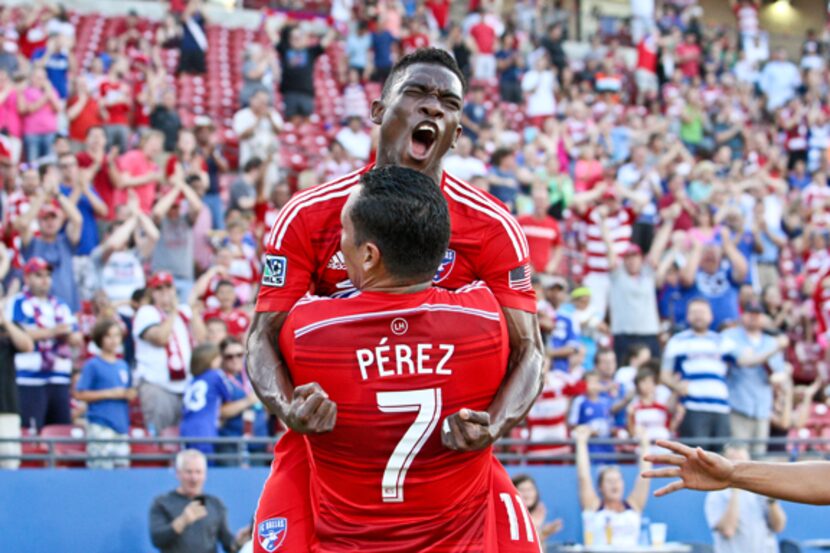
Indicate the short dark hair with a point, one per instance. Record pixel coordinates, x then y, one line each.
643 373
603 351
253 163
101 329
224 282
405 214
202 357
634 350
432 56
229 341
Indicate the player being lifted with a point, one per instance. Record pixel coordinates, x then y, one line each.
419 116
397 359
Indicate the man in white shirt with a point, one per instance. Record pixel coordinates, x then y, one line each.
779 80
258 127
164 334
355 140
462 163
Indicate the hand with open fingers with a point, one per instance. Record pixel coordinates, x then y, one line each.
311 411
467 430
697 469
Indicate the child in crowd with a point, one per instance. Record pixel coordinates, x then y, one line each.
106 387
593 409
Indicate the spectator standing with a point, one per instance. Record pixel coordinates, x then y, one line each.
297 60
259 72
632 291
43 375
779 80
77 186
13 341
204 397
116 99
383 45
355 103
211 152
236 319
175 214
258 127
83 112
139 172
58 62
242 399
742 521
39 105
105 386
760 365
504 183
485 30
10 116
95 159
593 411
538 86
461 163
164 332
708 275
474 114
194 44
554 44
186 520
243 189
695 368
543 235
608 516
118 259
56 246
358 47
355 140
510 63
647 417
165 119
564 339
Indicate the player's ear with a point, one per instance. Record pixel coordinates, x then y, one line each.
377 111
458 130
371 257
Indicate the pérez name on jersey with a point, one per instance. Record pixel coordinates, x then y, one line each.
403 359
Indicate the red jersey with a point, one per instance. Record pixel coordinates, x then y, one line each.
485 37
118 113
101 181
653 418
236 320
542 235
303 250
383 470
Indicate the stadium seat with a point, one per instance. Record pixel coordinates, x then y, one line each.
146 449
31 448
63 450
170 432
789 546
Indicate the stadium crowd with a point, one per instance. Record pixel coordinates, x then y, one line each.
674 194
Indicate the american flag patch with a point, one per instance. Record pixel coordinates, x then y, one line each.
520 278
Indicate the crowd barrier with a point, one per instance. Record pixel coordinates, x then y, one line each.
104 511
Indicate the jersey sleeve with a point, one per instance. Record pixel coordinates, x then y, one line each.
505 267
287 264
87 378
146 317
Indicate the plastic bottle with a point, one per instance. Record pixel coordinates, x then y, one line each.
645 539
609 532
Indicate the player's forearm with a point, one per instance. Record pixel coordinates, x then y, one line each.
524 379
807 482
268 374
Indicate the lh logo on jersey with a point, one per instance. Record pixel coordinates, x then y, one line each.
399 326
445 268
273 270
272 533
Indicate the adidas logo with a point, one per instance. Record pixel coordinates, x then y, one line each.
337 262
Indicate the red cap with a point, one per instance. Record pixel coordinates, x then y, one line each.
49 208
632 249
36 265
159 279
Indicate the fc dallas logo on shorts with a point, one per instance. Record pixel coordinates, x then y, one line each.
271 533
446 266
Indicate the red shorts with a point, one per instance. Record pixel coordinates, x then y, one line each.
284 518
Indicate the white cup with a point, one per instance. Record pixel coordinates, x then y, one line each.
658 532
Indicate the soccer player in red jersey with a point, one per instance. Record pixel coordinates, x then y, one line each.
419 116
397 359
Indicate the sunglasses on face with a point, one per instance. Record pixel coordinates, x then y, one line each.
239 355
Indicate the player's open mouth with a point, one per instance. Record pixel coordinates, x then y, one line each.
423 139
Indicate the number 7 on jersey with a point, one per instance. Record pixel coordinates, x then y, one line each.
427 403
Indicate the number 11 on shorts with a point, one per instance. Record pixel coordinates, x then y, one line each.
514 520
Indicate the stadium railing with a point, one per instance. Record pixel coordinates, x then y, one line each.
38 451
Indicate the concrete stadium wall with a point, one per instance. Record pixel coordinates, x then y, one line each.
84 511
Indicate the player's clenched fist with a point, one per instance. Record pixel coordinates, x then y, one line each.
311 410
467 430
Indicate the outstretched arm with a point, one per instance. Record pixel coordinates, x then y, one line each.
807 482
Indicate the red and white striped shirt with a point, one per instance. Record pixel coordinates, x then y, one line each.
653 418
619 225
547 419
